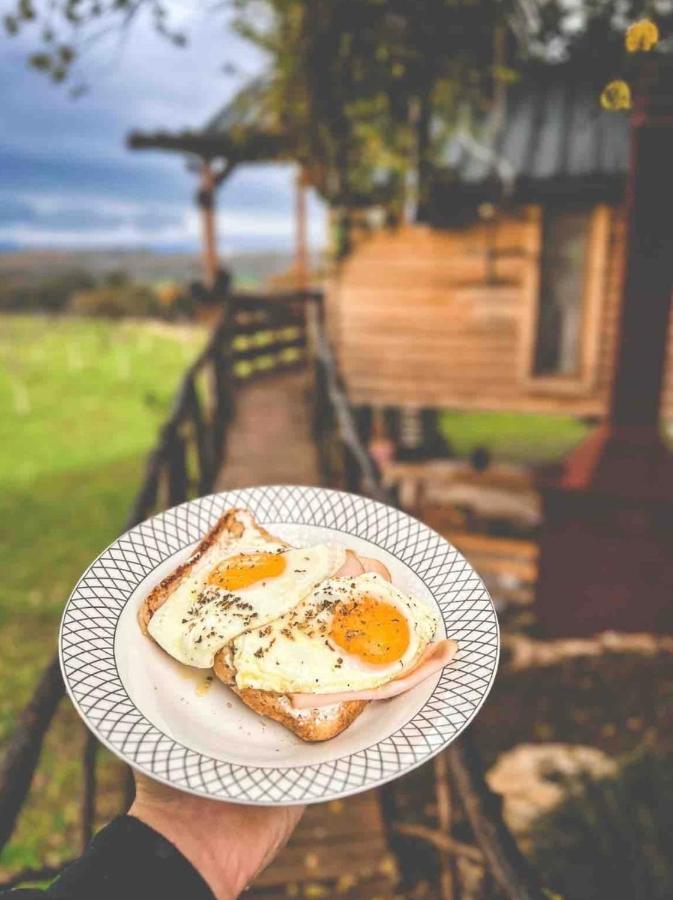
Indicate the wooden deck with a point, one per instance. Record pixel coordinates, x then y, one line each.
270 439
339 849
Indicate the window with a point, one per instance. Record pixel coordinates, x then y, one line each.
563 289
565 236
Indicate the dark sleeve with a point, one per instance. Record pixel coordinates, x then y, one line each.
127 860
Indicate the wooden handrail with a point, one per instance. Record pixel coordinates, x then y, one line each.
186 421
25 744
507 865
330 391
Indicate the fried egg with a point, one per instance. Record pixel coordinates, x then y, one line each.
349 634
252 582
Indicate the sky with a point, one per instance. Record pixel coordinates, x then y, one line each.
67 178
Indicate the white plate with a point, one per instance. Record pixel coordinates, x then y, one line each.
157 715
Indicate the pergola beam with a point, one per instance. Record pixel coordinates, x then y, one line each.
217 153
256 146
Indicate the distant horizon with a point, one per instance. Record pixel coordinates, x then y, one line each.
8 248
68 179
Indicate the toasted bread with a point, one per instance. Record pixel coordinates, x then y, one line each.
231 525
308 724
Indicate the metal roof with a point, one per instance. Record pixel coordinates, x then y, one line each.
249 109
244 130
552 134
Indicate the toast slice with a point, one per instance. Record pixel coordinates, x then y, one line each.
318 724
308 724
230 526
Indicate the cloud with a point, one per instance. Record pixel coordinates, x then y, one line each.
66 176
53 220
14 211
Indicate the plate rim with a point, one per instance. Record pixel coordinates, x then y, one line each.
328 794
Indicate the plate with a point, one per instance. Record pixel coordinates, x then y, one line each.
197 735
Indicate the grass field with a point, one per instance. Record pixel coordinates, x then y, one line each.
81 403
512 436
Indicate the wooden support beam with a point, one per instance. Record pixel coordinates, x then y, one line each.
205 200
24 746
301 263
605 545
88 802
511 871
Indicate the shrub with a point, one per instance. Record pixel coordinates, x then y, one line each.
612 837
50 294
114 301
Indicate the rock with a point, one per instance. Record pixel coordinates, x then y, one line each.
529 779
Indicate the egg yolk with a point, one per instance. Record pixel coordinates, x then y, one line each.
375 631
246 569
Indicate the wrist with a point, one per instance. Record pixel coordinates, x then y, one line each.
192 837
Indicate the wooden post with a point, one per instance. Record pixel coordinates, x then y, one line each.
301 266
88 802
205 200
606 548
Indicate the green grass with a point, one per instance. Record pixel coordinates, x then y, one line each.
512 436
81 404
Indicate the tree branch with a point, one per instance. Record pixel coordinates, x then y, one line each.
508 866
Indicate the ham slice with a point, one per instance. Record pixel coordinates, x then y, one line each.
356 565
351 567
434 657
373 565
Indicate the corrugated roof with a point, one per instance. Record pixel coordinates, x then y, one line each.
551 132
249 109
245 129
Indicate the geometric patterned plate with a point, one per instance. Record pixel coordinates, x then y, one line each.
198 736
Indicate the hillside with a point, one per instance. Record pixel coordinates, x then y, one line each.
147 266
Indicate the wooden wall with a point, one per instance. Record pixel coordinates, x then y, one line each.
426 317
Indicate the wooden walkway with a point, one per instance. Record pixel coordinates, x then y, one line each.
339 849
269 440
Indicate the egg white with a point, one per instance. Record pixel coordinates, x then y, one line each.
294 654
198 619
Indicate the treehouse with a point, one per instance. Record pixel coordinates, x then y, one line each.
507 296
504 294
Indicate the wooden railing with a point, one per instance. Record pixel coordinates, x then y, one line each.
268 333
185 462
335 427
255 335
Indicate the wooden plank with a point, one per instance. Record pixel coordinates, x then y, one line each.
346 887
272 349
365 329
448 352
325 860
333 838
470 398
407 287
488 555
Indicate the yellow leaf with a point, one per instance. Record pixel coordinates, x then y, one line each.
641 36
616 95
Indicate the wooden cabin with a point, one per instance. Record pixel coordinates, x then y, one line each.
507 296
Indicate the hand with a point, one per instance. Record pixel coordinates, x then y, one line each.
227 843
